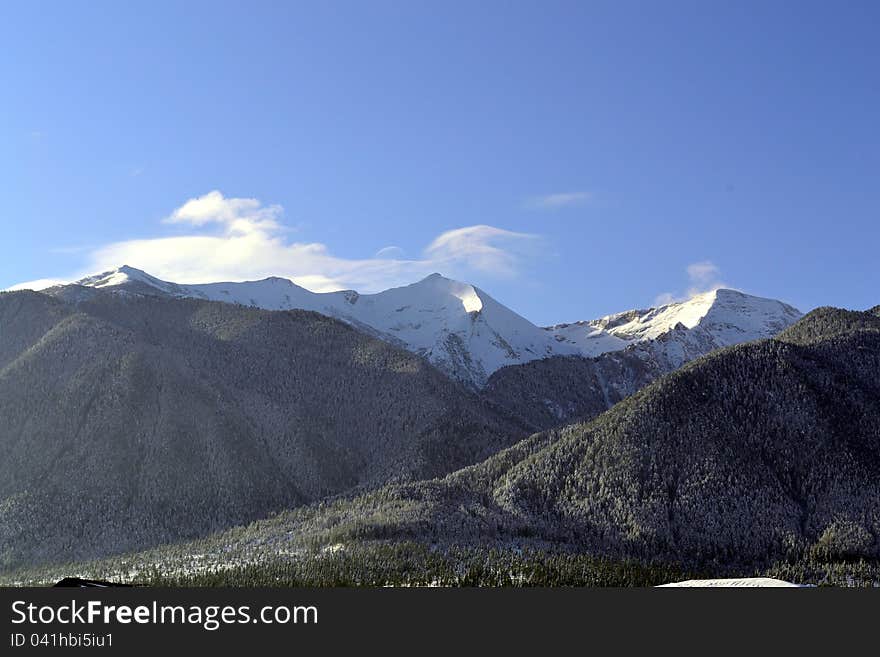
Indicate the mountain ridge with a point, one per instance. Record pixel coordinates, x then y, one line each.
469 335
759 456
128 420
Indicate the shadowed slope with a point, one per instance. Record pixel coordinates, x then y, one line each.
126 421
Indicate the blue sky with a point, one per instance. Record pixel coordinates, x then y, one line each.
572 159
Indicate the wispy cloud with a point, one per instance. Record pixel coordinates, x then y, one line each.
485 248
39 284
704 276
558 201
391 251
233 239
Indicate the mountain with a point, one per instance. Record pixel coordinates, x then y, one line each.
135 411
827 323
469 335
759 454
706 322
763 451
561 390
456 326
129 420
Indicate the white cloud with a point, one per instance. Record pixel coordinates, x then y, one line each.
394 252
39 284
704 276
664 298
234 239
236 215
485 248
559 200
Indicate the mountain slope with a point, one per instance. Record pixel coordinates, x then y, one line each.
761 452
468 335
455 326
745 455
706 322
128 420
561 390
826 323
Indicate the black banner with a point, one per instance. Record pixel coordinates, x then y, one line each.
126 620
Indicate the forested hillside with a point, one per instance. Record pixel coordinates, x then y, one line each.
760 455
825 323
562 390
557 391
128 421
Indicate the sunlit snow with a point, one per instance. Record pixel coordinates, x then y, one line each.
469 335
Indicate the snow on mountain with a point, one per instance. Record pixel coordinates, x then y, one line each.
692 328
731 316
456 326
469 335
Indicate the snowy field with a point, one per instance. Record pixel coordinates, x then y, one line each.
738 582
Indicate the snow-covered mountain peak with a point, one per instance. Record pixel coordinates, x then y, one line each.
276 280
651 323
119 276
735 317
437 286
723 310
469 335
127 277
683 330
